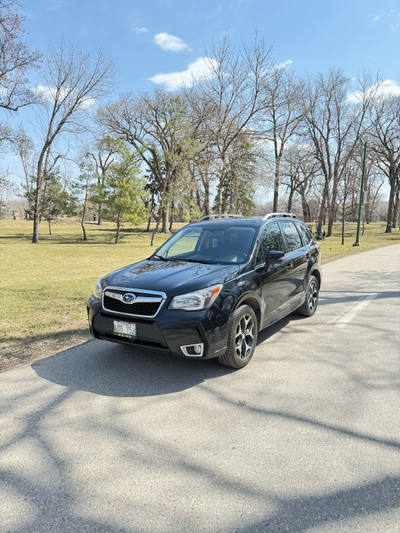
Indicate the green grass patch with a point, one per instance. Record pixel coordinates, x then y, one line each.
374 237
44 287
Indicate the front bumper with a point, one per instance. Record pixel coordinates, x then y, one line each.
168 331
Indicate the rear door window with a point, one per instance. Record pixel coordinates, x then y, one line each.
292 236
305 234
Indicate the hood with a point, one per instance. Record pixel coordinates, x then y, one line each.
171 277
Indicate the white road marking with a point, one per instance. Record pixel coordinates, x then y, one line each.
342 320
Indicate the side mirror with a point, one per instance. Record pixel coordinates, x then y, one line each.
275 256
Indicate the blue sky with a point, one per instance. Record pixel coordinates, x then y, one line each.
160 37
355 35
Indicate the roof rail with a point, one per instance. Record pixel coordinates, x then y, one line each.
217 216
285 215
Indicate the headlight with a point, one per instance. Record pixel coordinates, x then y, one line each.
195 301
98 288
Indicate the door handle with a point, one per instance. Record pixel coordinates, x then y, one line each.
289 267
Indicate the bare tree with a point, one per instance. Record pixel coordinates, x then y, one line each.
299 167
230 98
24 148
6 188
385 130
103 157
157 127
280 117
74 81
333 123
15 59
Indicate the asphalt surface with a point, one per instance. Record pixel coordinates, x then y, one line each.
102 438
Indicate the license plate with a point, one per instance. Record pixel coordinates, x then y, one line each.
124 329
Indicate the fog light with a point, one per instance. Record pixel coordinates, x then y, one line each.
193 350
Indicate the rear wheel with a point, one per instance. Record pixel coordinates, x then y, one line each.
242 338
311 303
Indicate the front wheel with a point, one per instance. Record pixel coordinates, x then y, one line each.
242 338
311 303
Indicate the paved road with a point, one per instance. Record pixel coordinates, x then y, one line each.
306 438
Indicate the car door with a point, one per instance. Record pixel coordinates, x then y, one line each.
297 259
275 280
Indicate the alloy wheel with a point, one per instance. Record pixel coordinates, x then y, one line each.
312 294
244 337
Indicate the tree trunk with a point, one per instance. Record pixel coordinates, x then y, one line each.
160 213
390 211
305 205
206 197
332 207
83 215
40 173
343 217
290 199
151 212
171 220
396 208
118 226
49 220
165 219
276 185
35 238
219 197
321 216
84 231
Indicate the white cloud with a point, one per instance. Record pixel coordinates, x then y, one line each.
201 69
376 18
379 91
285 64
48 94
138 30
170 42
87 102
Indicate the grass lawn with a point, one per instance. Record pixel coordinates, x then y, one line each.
44 287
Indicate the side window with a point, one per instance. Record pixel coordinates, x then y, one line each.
292 236
305 234
271 239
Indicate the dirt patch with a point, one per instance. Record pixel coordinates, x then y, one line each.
23 351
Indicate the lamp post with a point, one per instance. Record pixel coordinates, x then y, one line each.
365 136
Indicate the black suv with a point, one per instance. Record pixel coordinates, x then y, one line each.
210 288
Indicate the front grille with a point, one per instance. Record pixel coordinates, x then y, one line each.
140 307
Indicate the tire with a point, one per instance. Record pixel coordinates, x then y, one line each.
242 338
311 303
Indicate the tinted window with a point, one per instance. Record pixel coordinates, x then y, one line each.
184 245
305 233
271 239
211 243
292 236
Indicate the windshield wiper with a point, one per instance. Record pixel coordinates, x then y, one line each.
202 261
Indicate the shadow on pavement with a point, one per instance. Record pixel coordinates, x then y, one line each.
117 370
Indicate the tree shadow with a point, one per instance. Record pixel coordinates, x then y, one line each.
123 371
302 514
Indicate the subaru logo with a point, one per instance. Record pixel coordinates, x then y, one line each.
128 298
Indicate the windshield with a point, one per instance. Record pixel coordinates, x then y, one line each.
209 244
